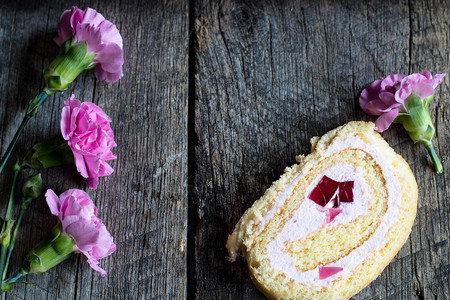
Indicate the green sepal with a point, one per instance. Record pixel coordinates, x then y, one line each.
91 66
427 100
417 119
72 59
417 122
52 250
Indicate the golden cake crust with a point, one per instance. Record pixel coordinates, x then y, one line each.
247 238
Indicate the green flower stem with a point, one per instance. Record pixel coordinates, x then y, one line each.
25 203
5 234
6 285
13 142
10 209
437 163
33 106
31 189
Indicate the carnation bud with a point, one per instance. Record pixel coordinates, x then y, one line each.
32 187
72 59
5 235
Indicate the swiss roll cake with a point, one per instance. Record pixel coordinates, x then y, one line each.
332 222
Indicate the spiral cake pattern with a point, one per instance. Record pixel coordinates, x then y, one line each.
331 223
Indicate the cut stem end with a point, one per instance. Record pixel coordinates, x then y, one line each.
437 163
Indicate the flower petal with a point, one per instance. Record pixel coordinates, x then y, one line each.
403 92
369 94
426 74
385 120
76 18
105 244
68 116
110 34
110 58
91 35
92 239
375 107
92 17
77 202
65 122
64 29
387 98
106 76
84 233
84 200
95 112
389 108
437 79
80 163
94 265
423 89
390 83
93 164
92 183
53 201
68 220
105 169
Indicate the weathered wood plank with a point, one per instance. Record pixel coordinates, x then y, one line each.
270 76
429 44
144 203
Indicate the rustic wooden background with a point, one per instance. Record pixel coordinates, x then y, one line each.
217 98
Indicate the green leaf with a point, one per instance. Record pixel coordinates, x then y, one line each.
50 153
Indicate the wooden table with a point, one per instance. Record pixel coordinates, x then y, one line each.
216 100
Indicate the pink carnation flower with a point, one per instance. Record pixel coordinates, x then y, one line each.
78 216
386 97
86 128
101 37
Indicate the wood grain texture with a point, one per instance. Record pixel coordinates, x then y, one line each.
272 74
227 115
144 203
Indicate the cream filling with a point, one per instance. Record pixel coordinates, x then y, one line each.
307 218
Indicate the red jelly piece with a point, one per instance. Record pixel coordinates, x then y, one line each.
327 189
346 191
332 213
325 272
335 201
324 190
